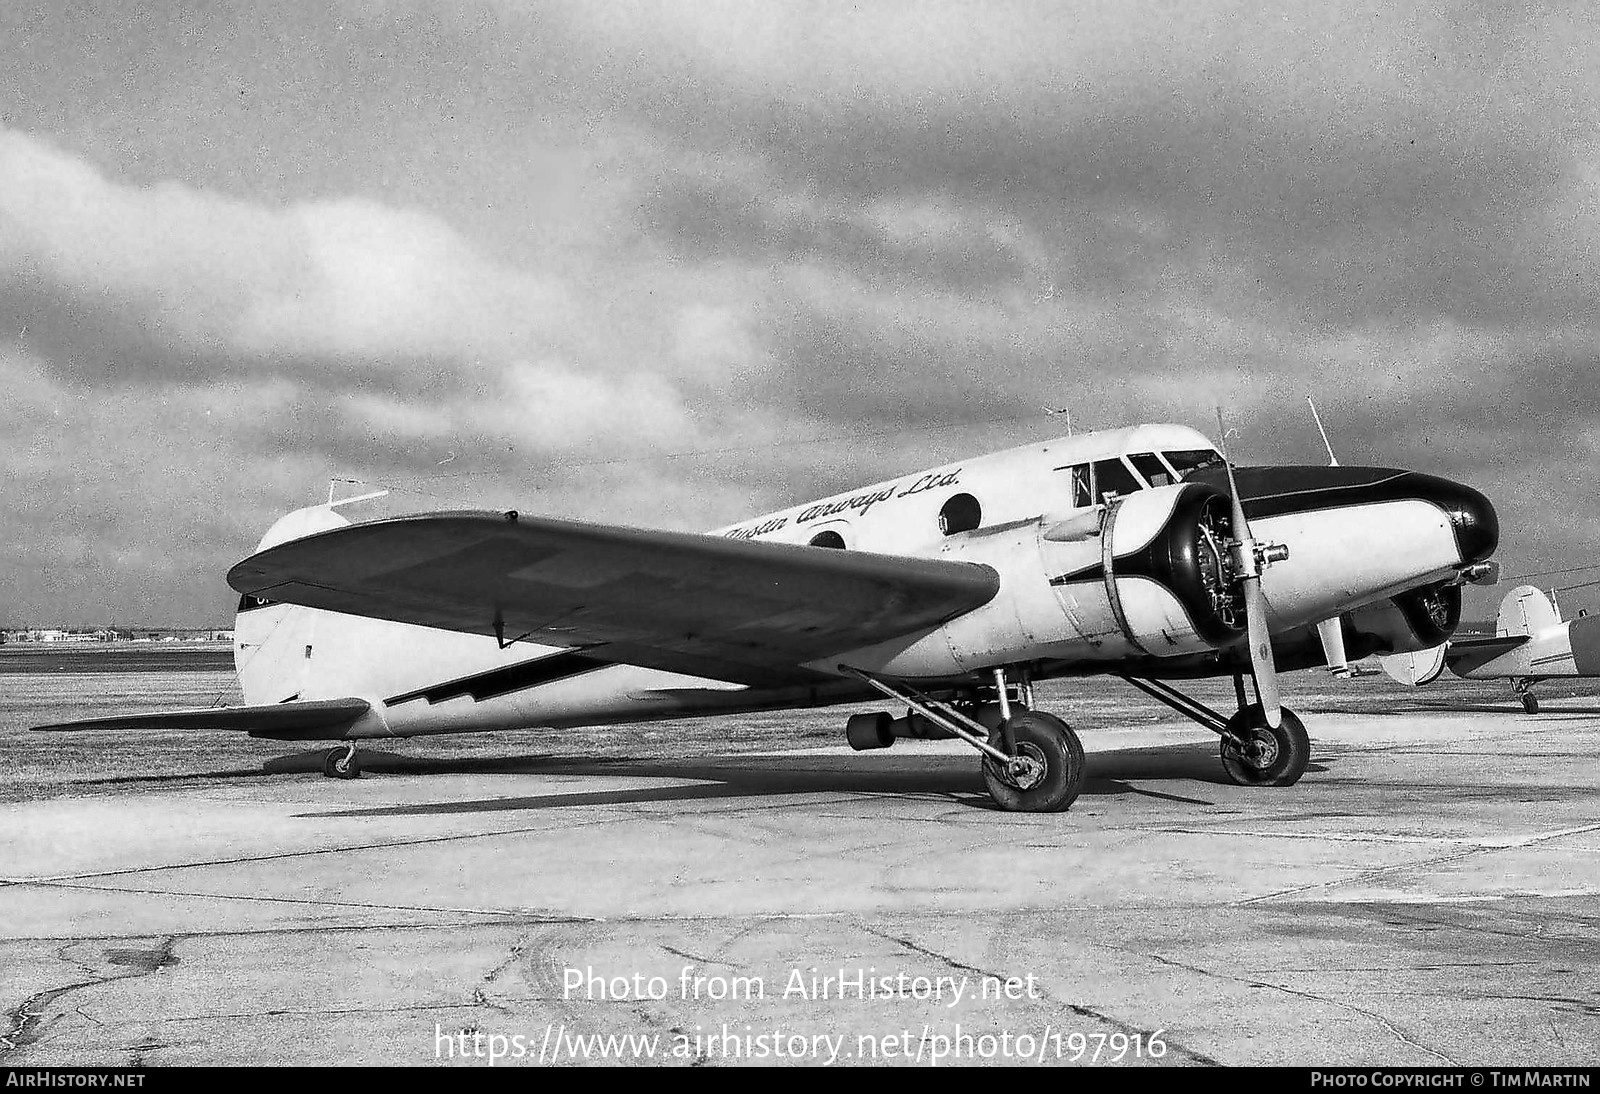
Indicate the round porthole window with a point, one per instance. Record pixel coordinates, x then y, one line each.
828 539
961 513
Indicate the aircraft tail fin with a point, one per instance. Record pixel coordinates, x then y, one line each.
1416 668
1525 610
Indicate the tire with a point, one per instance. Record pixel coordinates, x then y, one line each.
1051 743
1530 702
334 765
1282 753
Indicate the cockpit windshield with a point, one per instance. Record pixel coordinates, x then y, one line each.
1093 483
1113 477
1151 469
1187 463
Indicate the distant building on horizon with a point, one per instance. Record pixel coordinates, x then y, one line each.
116 634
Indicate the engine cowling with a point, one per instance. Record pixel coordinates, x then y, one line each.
1416 619
1155 581
1168 578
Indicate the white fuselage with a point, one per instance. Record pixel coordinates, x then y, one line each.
1035 521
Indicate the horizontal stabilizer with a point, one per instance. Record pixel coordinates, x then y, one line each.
1415 668
1467 654
313 720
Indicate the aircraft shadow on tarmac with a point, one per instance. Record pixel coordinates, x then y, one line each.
1545 715
760 776
1445 706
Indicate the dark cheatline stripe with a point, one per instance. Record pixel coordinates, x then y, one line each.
1276 490
504 681
1097 572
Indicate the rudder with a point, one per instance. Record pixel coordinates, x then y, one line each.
1525 610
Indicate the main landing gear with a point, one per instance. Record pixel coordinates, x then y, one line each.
342 762
1032 761
1253 753
1047 772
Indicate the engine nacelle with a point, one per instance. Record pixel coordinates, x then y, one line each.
1157 581
1164 583
1417 619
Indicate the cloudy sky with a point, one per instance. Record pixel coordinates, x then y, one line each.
675 263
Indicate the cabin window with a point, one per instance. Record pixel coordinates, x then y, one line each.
828 539
1155 472
1188 462
1113 477
960 514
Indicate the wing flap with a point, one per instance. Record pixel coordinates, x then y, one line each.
311 720
732 609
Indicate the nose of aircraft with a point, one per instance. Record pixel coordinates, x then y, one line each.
1273 491
1472 516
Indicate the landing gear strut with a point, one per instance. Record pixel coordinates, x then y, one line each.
1253 753
1032 761
342 762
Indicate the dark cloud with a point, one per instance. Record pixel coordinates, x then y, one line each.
501 250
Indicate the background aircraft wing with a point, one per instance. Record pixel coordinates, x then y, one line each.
709 606
312 720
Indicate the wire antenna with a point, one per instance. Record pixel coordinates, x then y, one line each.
1333 461
333 484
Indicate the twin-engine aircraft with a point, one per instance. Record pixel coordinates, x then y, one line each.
1134 552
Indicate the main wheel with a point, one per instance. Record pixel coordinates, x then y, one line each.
340 763
1270 757
1530 703
1048 773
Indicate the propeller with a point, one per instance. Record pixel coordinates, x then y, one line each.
1250 558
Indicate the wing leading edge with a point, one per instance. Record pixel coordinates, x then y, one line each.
709 606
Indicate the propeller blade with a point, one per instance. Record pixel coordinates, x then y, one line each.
1241 527
1331 631
1261 663
1262 666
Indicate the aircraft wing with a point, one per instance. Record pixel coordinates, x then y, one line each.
709 606
312 720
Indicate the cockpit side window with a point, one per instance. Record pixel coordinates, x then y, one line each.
1188 462
1082 493
1113 477
1154 471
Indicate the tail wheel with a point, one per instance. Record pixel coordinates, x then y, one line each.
1255 754
341 763
1047 774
